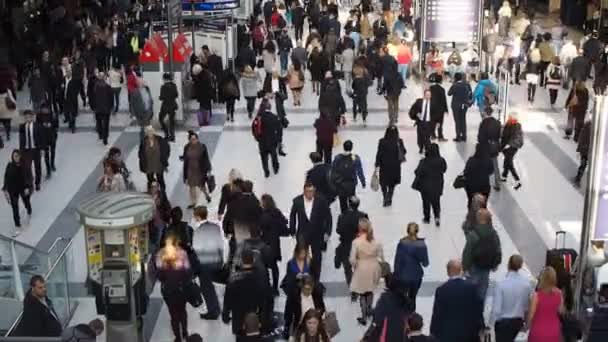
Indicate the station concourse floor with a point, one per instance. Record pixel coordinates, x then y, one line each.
526 219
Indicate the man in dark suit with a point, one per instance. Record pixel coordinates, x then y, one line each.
310 220
104 103
39 317
319 175
439 105
462 95
268 139
488 137
422 112
70 90
30 142
49 122
457 310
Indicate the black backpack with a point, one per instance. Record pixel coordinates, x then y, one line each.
486 252
556 73
343 174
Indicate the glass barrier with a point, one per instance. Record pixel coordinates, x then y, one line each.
18 263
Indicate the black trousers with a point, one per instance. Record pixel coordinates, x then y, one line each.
179 317
116 97
299 31
325 152
460 121
531 92
411 291
159 177
542 70
345 261
102 122
7 127
274 270
387 191
581 168
423 134
250 105
169 129
508 165
29 156
317 258
552 96
230 108
427 203
14 199
438 126
506 329
49 156
360 106
343 203
275 160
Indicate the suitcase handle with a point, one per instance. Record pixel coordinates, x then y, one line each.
563 234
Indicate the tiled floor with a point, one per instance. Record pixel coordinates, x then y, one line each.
526 219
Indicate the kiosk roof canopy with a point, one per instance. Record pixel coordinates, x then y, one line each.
116 210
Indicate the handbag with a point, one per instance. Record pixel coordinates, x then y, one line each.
459 182
193 294
401 153
375 182
331 324
211 183
385 268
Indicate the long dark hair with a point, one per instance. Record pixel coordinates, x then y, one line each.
322 335
268 202
391 133
432 151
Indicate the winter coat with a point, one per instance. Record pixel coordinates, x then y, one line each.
410 258
269 60
546 51
204 163
348 58
512 135
325 129
584 140
331 101
477 173
168 97
579 68
360 86
429 174
478 234
366 28
270 132
238 298
364 257
142 111
479 93
317 64
38 320
6 113
387 159
249 84
580 108
204 85
273 225
393 84
488 43
504 23
392 307
567 53
229 89
165 150
298 54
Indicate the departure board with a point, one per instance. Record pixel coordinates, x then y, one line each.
451 20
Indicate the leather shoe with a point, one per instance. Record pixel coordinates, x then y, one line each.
210 317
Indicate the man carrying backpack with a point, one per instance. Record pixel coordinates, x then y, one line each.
83 332
266 131
482 252
344 172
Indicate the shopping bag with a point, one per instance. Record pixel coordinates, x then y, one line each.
375 182
331 324
337 141
203 117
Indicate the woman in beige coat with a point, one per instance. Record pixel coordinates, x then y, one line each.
365 27
365 256
6 114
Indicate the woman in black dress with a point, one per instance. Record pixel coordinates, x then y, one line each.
273 225
317 64
391 153
429 181
477 173
17 183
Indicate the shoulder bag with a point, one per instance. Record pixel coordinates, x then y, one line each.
459 182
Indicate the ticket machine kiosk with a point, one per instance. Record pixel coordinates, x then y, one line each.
116 239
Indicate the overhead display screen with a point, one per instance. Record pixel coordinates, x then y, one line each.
209 5
451 20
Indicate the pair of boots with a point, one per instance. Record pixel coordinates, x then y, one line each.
387 198
365 302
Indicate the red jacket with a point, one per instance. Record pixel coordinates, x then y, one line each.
131 82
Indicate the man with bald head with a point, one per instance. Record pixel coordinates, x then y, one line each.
457 310
511 298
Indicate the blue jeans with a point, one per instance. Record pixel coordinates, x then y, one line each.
284 58
208 290
481 279
403 71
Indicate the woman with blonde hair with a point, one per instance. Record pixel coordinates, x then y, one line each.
545 308
365 257
229 191
410 258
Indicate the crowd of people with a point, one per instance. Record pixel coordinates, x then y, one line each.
277 58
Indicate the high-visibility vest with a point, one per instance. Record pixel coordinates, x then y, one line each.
135 44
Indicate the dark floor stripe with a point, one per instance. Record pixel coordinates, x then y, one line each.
515 221
560 160
151 317
303 128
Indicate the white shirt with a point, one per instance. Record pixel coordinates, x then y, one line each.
308 207
307 304
425 113
29 136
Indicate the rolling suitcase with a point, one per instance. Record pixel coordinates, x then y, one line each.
561 258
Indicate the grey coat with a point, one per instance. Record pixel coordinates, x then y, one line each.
299 54
143 112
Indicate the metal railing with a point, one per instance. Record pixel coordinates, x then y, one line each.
56 275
